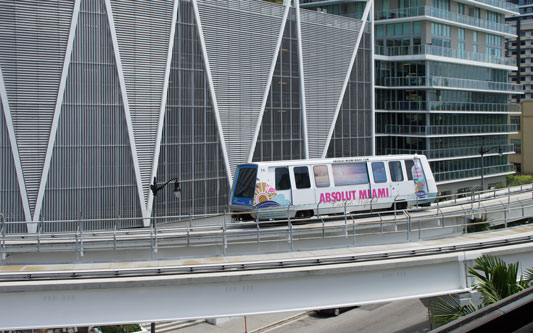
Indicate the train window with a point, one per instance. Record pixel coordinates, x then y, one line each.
395 169
409 167
321 175
350 174
301 177
283 182
378 169
245 187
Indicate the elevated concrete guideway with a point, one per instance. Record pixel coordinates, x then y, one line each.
103 293
218 236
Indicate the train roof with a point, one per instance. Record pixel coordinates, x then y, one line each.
335 160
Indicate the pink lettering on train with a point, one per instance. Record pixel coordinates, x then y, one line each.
352 195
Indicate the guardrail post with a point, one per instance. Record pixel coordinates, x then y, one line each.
419 228
438 213
353 231
258 236
289 224
505 215
465 228
152 235
3 220
224 240
408 227
394 204
115 235
508 195
39 230
345 221
82 252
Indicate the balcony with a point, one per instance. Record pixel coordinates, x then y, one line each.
392 51
445 15
478 107
445 130
452 152
439 81
473 173
451 106
501 4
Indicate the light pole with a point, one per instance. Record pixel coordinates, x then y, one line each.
155 187
483 151
177 193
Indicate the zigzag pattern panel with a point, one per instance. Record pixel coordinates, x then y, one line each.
143 32
281 134
240 38
91 171
191 150
328 42
11 208
34 37
352 135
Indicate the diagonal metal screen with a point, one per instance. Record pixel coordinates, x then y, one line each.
240 38
32 71
143 32
328 43
10 200
99 180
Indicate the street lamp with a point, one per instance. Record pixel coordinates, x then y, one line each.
155 187
483 151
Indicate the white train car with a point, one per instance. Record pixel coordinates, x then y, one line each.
325 186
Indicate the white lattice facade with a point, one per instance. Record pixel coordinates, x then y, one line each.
98 97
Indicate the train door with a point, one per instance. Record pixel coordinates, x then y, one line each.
302 192
399 185
282 182
380 185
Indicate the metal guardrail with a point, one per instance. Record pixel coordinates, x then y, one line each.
222 235
449 106
392 51
443 14
449 129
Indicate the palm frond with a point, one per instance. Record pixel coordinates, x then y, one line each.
495 279
446 309
528 276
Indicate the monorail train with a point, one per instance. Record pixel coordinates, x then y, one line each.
305 188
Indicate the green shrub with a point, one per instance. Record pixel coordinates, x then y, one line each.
515 180
120 328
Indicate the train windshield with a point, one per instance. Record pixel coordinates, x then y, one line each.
245 187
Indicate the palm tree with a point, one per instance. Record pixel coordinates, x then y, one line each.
496 280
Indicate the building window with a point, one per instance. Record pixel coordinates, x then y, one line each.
440 35
517 145
494 45
515 120
493 17
461 8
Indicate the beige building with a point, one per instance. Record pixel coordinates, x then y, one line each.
523 141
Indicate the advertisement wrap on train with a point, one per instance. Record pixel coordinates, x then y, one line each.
302 188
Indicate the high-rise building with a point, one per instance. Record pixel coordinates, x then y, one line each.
98 97
520 49
442 85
